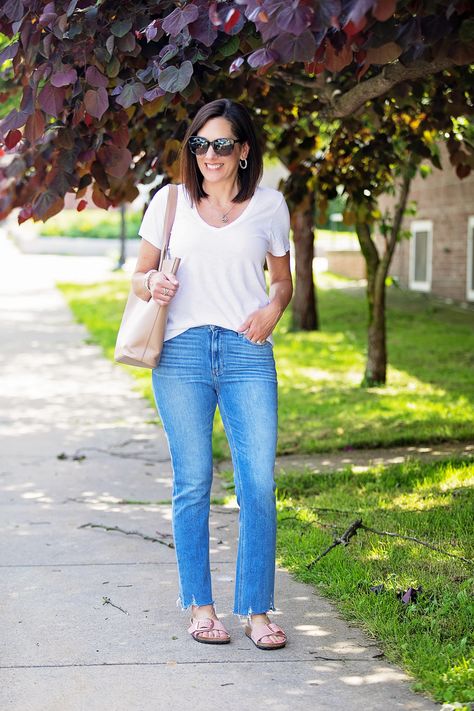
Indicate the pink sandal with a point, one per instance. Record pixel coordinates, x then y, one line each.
257 632
205 625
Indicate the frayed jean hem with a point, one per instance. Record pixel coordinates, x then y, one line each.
186 608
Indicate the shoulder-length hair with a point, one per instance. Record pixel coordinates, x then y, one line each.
244 131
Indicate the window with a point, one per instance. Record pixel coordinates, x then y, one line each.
420 255
470 259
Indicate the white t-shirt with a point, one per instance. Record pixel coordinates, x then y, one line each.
221 276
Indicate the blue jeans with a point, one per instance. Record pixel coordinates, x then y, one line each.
199 369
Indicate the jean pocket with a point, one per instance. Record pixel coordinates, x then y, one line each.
253 343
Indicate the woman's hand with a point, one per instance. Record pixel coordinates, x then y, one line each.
163 287
260 324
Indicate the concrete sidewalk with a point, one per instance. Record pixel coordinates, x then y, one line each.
74 444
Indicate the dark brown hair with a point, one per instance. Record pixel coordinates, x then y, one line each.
244 131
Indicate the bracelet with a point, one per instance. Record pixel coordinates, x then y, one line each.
146 279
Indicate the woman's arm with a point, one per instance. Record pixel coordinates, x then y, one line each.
260 324
148 259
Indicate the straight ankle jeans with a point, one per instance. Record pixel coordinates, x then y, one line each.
200 369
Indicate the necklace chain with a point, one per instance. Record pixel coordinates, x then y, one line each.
224 216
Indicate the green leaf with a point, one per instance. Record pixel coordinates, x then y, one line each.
121 27
230 47
174 80
131 94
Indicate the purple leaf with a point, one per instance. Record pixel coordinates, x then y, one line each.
46 202
9 52
262 58
203 30
116 161
96 102
173 79
64 78
295 49
409 595
153 94
236 64
15 119
179 19
359 10
14 9
27 100
295 19
131 94
96 78
48 16
71 7
51 99
326 14
153 31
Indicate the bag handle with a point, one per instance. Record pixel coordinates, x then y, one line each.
169 220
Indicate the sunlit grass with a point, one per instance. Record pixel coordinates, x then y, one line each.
430 391
433 638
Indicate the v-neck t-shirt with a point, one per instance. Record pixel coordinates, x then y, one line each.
221 275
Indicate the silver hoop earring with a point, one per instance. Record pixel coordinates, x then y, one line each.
243 163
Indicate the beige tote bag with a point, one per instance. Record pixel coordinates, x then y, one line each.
141 333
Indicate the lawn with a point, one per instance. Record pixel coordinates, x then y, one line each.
431 635
92 223
430 391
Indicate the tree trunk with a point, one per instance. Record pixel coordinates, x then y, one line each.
304 306
376 366
377 270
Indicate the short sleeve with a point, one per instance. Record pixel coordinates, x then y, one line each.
280 230
151 227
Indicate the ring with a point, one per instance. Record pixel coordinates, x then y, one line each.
165 292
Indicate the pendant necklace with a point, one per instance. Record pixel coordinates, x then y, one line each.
225 215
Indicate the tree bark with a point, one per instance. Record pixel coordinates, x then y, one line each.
304 304
377 270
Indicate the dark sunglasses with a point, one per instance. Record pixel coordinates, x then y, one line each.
221 146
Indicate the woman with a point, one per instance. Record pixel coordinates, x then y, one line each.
218 351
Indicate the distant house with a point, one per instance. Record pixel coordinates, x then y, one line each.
439 256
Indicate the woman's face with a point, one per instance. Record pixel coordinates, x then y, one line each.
213 167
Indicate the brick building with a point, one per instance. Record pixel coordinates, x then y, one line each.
439 256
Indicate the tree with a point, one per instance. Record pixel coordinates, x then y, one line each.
379 152
106 90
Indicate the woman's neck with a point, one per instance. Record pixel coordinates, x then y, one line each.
221 193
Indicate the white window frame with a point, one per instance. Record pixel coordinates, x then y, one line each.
421 226
470 257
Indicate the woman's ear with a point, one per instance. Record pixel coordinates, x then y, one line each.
244 152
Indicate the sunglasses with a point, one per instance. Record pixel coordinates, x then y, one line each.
221 146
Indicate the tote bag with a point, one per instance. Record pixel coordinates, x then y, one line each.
141 333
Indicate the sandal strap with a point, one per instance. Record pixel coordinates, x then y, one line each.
259 631
206 624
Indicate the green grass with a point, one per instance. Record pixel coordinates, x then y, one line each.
430 391
432 637
92 223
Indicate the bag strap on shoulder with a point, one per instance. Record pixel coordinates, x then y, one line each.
169 220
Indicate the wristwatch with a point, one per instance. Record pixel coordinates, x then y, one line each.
146 279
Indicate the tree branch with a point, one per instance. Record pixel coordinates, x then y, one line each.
161 540
342 105
352 531
390 76
397 222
